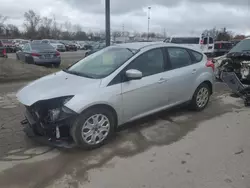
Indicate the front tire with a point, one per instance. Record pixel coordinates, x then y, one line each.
93 128
201 97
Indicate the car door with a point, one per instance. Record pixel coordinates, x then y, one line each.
141 97
181 76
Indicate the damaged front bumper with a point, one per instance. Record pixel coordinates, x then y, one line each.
54 134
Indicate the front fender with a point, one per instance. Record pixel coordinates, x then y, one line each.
79 103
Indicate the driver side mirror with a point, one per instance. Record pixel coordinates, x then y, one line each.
133 74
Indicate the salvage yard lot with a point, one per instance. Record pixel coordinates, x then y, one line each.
13 70
209 147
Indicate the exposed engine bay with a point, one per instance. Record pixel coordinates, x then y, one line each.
234 70
237 62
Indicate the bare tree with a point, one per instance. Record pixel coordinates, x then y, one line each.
31 23
13 31
2 25
56 29
44 31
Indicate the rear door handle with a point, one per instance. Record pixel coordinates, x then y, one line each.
162 80
193 71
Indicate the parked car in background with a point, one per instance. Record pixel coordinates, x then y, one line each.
222 47
95 48
70 46
3 52
39 54
83 45
88 46
206 44
77 44
9 45
56 44
118 84
21 44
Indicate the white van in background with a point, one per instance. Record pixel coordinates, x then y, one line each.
206 44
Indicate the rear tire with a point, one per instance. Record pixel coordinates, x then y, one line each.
201 97
85 132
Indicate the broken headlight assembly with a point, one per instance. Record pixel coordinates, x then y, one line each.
52 110
60 111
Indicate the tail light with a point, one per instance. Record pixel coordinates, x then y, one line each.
57 53
35 55
210 64
201 42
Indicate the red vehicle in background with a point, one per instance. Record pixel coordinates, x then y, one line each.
9 45
3 52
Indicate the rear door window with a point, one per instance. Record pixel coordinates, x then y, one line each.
179 57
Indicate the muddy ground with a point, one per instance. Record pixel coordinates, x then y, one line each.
174 148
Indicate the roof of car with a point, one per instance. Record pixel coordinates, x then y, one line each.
140 45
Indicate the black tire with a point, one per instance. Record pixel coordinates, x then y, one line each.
76 129
194 104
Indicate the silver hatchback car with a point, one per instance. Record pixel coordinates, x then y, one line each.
86 102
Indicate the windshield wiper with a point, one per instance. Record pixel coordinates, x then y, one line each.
77 73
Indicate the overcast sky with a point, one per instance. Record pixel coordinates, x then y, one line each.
175 16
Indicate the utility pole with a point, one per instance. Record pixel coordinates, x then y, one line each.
123 33
107 20
149 8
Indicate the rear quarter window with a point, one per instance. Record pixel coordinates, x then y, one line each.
196 56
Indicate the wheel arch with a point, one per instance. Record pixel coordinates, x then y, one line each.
210 85
105 106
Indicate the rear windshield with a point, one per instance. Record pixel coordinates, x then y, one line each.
242 46
185 40
42 46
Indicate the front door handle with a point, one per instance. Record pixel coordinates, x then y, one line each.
162 80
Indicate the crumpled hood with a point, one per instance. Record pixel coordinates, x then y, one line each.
56 85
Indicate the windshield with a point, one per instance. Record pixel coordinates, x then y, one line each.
185 40
242 46
102 63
